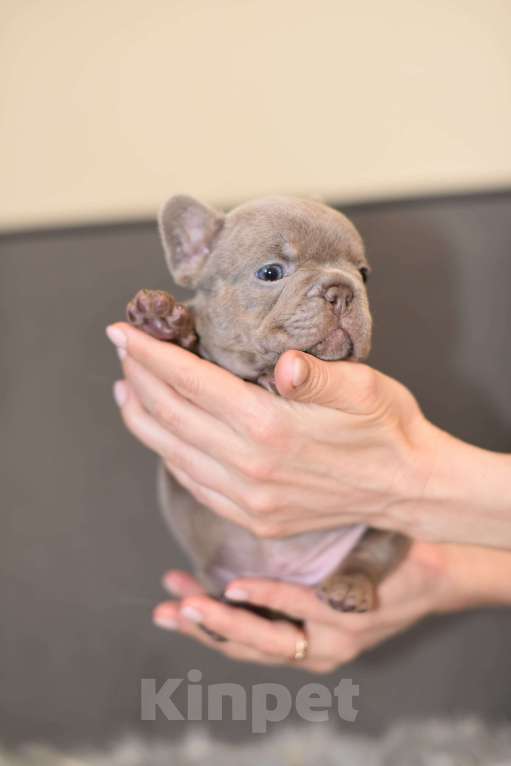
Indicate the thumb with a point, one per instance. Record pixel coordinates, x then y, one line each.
348 386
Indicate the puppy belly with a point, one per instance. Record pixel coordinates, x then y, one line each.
303 559
222 551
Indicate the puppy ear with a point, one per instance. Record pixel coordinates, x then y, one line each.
188 231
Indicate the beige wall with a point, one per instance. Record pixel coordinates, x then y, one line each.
108 106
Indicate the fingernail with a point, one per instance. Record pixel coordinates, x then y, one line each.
120 392
191 613
117 336
236 594
299 372
168 623
121 352
171 587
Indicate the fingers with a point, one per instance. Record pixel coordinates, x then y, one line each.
274 639
184 461
182 584
297 601
348 386
154 436
138 421
174 616
214 485
250 638
183 418
204 383
253 504
213 500
253 639
231 455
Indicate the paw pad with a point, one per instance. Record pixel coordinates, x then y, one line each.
157 313
348 593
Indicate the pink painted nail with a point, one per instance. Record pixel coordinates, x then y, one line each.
299 372
192 614
120 392
168 623
170 586
236 594
117 336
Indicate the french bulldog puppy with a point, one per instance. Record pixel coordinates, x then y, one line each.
273 274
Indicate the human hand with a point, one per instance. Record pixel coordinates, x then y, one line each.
362 452
432 579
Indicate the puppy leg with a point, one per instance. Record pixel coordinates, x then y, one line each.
353 587
157 313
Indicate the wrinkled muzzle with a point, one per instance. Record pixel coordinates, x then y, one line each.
328 318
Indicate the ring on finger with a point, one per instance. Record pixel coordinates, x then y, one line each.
301 649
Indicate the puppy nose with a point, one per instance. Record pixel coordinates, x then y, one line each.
339 295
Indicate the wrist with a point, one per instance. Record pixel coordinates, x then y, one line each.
476 577
461 493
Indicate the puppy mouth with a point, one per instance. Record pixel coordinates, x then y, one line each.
337 345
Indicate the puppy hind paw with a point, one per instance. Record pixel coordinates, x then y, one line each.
348 593
158 314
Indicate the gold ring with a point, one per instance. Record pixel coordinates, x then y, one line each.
301 648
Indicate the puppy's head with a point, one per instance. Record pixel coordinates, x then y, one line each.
271 275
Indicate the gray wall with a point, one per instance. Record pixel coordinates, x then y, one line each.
82 546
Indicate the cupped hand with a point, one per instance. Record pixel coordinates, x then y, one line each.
343 444
432 579
278 467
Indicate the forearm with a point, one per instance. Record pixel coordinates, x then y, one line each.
465 499
478 577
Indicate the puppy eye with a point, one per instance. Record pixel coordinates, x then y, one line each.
270 273
364 274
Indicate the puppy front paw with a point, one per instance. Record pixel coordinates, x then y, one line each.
158 314
348 592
